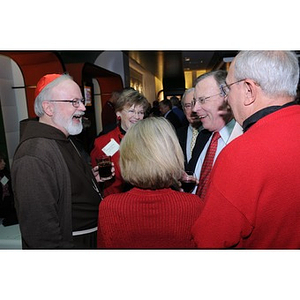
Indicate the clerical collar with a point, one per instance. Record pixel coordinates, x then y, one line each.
262 113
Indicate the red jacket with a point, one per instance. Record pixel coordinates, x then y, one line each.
116 184
253 200
148 219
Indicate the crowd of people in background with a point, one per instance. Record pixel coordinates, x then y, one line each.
236 131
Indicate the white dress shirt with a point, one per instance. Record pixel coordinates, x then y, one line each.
225 133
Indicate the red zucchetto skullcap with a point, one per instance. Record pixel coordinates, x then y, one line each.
44 81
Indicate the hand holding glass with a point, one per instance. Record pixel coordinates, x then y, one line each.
188 181
104 167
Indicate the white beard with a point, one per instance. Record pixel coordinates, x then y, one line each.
72 129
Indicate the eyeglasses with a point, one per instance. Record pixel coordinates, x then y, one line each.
133 112
202 100
75 102
225 88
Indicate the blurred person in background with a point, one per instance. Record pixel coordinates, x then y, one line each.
177 109
108 115
165 107
189 135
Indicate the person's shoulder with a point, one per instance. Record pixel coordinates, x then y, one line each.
35 150
182 129
188 200
186 196
108 128
113 198
106 137
37 145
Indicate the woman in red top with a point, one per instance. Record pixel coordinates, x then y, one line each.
152 214
130 108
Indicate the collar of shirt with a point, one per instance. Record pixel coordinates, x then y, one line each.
165 115
190 128
262 113
226 131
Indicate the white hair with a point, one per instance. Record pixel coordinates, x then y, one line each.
46 93
276 72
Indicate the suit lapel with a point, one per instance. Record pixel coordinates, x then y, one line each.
182 137
202 139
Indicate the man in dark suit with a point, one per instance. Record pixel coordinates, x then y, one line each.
165 107
192 137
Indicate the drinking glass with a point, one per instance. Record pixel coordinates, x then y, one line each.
104 164
188 181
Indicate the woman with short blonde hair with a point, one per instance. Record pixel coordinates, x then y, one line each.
130 108
153 214
160 163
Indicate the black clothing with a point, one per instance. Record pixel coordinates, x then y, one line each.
262 113
173 119
7 207
55 190
202 138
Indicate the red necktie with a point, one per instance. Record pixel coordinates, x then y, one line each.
207 165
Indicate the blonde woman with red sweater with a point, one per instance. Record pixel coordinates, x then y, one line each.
152 214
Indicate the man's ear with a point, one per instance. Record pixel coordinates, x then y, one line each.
250 90
48 108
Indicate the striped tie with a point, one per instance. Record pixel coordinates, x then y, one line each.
194 138
207 165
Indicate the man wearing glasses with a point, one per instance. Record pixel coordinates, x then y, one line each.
253 200
188 135
56 192
216 117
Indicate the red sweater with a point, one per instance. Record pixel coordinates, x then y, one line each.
254 197
116 184
148 219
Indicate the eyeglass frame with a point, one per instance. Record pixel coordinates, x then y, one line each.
75 102
225 86
134 112
202 100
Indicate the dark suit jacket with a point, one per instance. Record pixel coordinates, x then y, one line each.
202 139
173 118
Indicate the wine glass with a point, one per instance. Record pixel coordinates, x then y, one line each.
188 181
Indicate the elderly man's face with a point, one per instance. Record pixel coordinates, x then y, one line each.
210 110
191 116
66 117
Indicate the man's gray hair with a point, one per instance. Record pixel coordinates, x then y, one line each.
218 75
185 94
46 94
276 72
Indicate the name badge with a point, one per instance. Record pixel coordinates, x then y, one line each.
111 148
